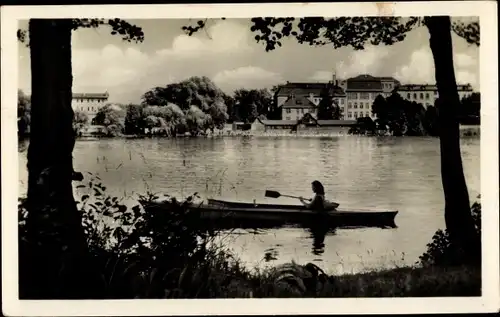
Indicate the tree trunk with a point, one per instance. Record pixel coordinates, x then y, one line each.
53 250
458 216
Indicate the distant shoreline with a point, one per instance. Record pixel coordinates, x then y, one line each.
465 131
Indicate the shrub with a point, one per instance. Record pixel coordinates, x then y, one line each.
441 251
139 254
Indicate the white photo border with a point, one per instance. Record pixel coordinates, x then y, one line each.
488 302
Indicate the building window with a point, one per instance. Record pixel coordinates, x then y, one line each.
288 118
426 95
355 115
349 114
355 105
414 95
421 95
364 95
352 95
288 111
361 105
408 96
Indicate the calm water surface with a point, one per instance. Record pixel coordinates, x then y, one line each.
369 173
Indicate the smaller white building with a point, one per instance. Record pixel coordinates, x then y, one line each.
427 94
89 103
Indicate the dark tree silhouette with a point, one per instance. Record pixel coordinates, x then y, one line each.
249 104
134 121
327 108
54 232
357 32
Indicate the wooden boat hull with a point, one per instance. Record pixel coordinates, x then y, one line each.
217 213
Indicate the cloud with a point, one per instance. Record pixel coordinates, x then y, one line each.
249 77
223 37
126 73
367 61
321 76
420 68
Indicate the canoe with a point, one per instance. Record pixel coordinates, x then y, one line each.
239 215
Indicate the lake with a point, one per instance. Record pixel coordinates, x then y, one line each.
398 173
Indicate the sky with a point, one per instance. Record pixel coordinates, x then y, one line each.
228 54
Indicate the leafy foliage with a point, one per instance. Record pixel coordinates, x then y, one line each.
23 112
364 125
80 120
112 117
339 32
249 104
442 252
470 110
328 109
134 121
401 117
200 92
127 31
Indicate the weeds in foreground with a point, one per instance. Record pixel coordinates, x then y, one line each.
442 252
165 253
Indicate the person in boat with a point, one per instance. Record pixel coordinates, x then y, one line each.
318 201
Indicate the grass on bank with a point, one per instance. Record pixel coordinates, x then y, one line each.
158 254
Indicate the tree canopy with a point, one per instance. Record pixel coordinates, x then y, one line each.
355 32
328 109
250 103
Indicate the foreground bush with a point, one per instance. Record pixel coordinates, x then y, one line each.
166 254
442 252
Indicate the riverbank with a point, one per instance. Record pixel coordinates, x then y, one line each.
464 132
293 280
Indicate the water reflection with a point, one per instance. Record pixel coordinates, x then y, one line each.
357 172
318 232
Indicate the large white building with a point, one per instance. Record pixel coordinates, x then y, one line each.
89 103
427 94
361 93
355 96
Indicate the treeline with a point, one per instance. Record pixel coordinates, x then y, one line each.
397 116
193 105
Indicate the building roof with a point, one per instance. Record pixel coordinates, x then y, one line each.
90 95
385 78
278 122
375 85
336 122
306 89
319 122
364 82
363 77
298 101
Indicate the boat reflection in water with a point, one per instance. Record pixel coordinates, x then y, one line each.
318 231
223 215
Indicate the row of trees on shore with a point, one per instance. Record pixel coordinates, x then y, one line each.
197 105
399 116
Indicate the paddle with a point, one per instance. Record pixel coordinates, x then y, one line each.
275 194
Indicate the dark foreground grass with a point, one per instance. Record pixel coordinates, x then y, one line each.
409 282
294 280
